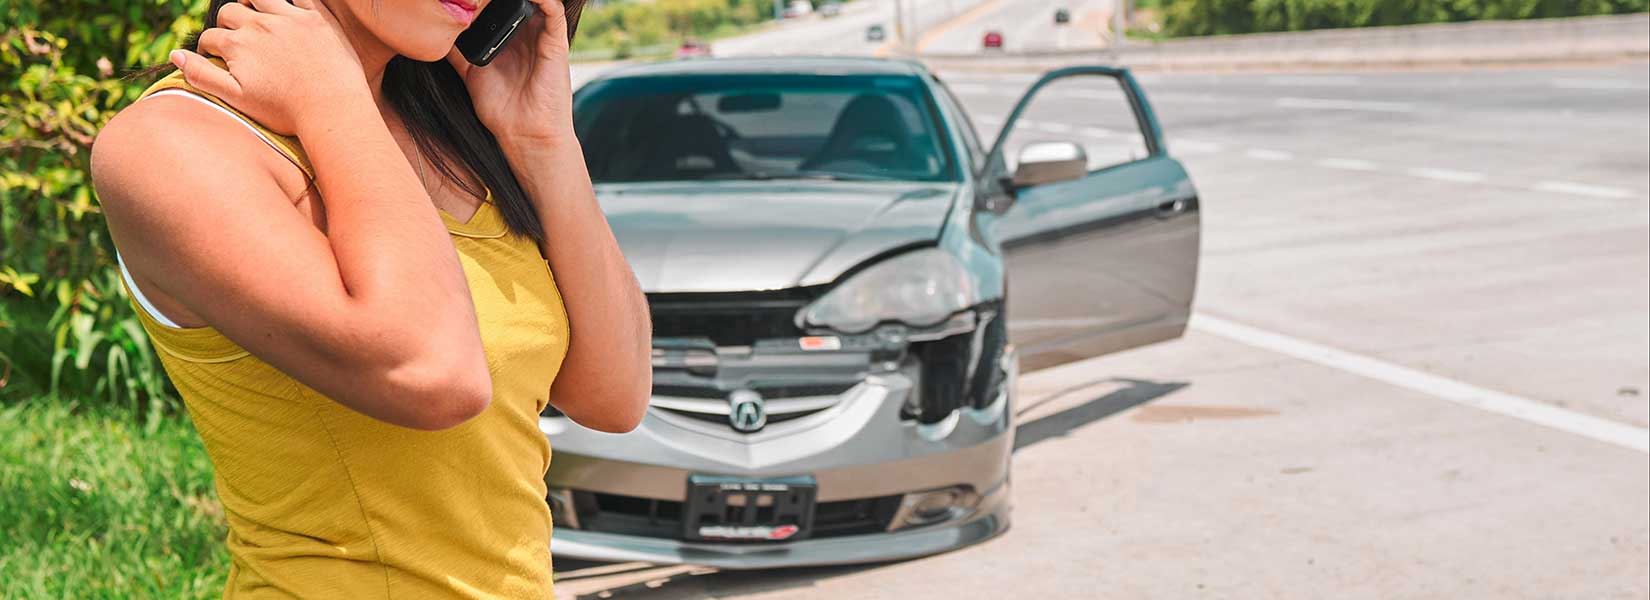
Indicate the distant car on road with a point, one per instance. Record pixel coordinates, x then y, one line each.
844 282
692 48
993 40
875 33
830 9
798 8
1062 16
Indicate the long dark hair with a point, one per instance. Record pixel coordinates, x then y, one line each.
435 107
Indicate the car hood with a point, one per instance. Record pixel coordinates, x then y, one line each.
742 235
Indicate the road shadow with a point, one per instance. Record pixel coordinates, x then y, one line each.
583 579
598 580
1137 392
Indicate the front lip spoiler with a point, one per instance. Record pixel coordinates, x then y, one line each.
877 547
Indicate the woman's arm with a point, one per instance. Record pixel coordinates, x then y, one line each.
607 378
525 98
374 312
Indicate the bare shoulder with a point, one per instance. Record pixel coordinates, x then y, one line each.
169 148
180 183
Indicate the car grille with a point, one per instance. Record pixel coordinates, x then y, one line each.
730 319
783 402
646 517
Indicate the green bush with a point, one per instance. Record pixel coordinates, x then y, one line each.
65 324
1218 17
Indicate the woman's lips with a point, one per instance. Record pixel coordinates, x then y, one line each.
464 11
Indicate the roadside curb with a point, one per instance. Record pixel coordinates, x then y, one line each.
1569 40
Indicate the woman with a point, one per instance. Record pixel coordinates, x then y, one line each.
336 231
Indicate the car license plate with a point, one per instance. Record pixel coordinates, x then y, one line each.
732 509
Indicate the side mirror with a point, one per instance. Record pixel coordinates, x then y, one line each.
1050 162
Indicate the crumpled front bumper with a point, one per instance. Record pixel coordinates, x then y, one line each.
858 449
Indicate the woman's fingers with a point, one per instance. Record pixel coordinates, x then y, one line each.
210 78
235 16
215 41
273 7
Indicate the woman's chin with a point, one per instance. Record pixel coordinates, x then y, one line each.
427 54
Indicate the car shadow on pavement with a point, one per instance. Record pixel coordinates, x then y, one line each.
1135 393
582 579
587 579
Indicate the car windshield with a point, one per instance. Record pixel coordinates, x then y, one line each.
761 127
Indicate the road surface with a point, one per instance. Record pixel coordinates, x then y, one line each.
1026 25
1420 365
845 35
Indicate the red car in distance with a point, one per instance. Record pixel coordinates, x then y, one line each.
692 48
993 40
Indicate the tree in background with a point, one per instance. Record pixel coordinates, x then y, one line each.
65 323
1217 17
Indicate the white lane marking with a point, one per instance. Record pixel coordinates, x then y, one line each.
1582 189
1348 164
1312 81
1531 411
1096 132
1267 154
1195 146
1089 94
988 120
1334 104
1447 174
995 78
1195 98
970 88
1053 127
1600 84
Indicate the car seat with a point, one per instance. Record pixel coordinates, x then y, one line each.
869 137
686 147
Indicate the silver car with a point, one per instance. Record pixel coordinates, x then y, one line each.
844 285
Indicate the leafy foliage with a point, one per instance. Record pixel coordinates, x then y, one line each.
1218 17
65 323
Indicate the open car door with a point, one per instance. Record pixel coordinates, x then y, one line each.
1099 226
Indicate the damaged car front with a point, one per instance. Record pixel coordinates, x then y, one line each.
829 370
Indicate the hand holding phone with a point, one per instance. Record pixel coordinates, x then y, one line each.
498 23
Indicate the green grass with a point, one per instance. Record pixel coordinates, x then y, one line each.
91 506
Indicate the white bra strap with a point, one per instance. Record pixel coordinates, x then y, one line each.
143 301
238 119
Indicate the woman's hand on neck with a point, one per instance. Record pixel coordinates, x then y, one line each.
375 55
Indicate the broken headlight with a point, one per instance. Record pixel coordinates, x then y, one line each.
920 288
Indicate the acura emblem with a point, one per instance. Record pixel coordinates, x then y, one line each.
745 411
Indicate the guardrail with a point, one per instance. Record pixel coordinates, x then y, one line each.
1538 40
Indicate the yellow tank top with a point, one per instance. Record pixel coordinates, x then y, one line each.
324 502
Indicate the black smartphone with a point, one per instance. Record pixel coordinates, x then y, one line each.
492 29
497 23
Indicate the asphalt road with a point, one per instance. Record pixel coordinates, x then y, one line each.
1024 24
1420 365
845 35
943 26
